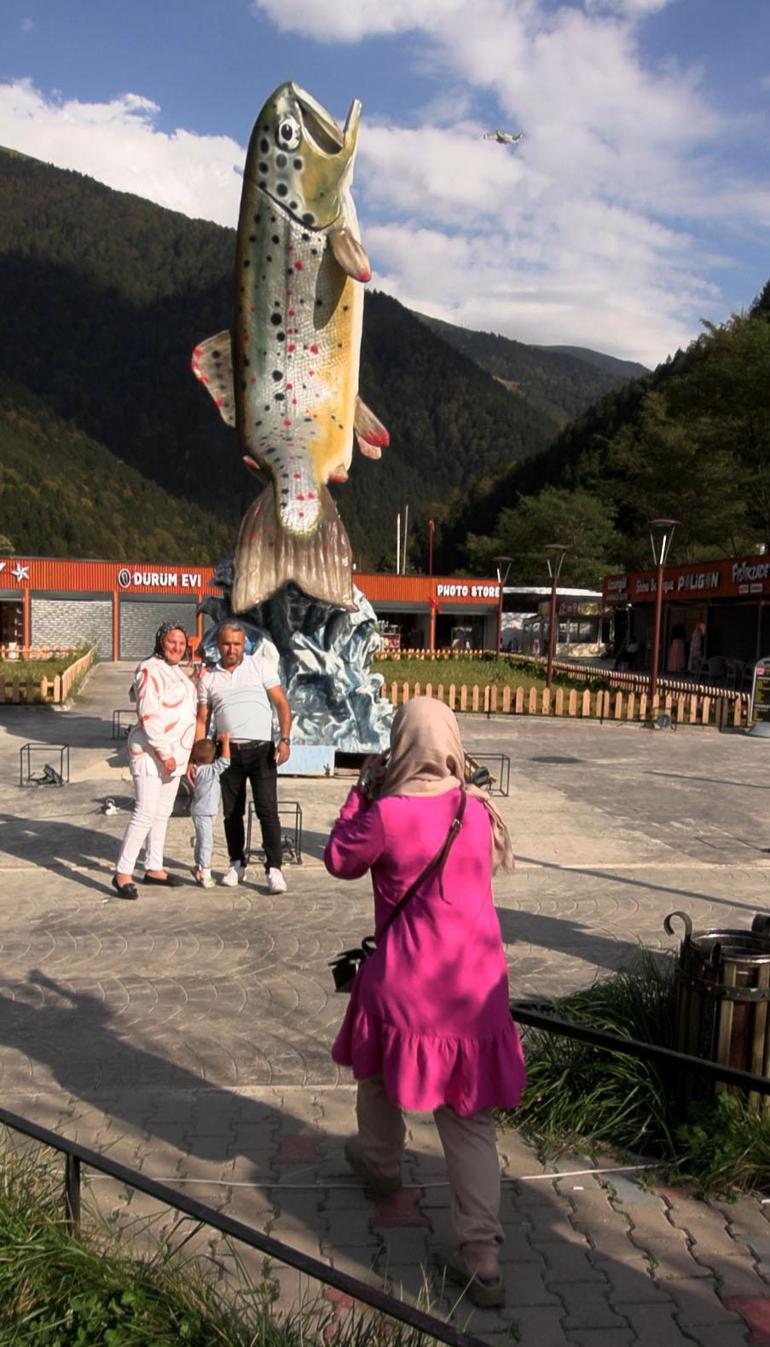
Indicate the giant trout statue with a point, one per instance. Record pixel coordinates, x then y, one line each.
287 375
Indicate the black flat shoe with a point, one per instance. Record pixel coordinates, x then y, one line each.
124 890
170 882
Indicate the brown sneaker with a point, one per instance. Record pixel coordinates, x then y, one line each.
384 1185
486 1292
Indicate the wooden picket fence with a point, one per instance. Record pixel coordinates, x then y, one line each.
637 682
24 689
683 708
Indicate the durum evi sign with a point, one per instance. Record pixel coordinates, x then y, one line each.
160 580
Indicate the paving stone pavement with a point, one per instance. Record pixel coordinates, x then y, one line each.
188 1033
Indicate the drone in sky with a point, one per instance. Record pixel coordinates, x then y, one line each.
503 137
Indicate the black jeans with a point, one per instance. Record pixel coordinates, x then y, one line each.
254 762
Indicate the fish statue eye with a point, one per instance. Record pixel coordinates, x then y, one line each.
288 134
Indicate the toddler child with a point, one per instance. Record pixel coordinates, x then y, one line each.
205 802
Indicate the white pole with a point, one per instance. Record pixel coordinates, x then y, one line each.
398 543
406 529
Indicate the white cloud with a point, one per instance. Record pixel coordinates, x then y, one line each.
629 8
626 296
350 20
436 172
593 220
588 232
119 144
27 26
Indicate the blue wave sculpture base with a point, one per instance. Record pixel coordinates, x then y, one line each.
325 663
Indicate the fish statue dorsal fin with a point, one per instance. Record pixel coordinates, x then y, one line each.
212 365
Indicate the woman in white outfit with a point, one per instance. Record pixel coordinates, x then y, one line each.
158 752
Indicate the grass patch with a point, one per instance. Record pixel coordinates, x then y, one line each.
508 671
578 1095
40 668
29 673
94 1290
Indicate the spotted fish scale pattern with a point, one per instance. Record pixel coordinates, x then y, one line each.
295 386
287 376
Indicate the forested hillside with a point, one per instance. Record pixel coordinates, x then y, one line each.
560 383
620 370
108 445
690 441
103 296
62 494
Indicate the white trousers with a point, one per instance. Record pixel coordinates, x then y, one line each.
155 798
470 1151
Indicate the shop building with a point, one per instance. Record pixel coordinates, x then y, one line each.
430 612
119 605
715 620
583 621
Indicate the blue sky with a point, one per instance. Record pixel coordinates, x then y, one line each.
637 204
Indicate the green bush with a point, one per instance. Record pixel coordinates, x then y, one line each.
581 1095
94 1289
577 1092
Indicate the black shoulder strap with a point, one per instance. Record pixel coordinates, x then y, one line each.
437 864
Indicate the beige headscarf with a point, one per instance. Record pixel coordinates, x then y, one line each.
427 758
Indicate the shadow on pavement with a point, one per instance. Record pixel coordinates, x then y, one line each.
65 849
547 1261
641 883
565 936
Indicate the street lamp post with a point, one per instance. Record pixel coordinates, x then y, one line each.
502 576
555 558
661 535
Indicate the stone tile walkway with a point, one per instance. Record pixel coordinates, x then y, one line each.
188 1033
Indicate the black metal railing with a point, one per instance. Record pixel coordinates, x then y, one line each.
528 1013
78 1156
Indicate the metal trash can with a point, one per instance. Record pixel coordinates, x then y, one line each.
722 998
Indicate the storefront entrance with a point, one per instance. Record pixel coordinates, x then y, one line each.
11 624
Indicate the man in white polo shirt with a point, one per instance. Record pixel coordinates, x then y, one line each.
242 691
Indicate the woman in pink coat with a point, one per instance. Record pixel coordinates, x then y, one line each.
428 1025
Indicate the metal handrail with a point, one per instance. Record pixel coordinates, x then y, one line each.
525 1013
77 1155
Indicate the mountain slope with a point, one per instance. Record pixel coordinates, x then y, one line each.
102 298
63 494
624 369
558 382
690 441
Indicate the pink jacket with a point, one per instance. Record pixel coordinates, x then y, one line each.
166 711
429 1011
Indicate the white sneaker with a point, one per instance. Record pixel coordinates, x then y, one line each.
234 875
204 879
276 882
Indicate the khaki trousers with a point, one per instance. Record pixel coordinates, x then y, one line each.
470 1152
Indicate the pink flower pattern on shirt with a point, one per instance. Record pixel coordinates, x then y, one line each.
165 707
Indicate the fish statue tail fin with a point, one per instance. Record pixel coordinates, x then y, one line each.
267 557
